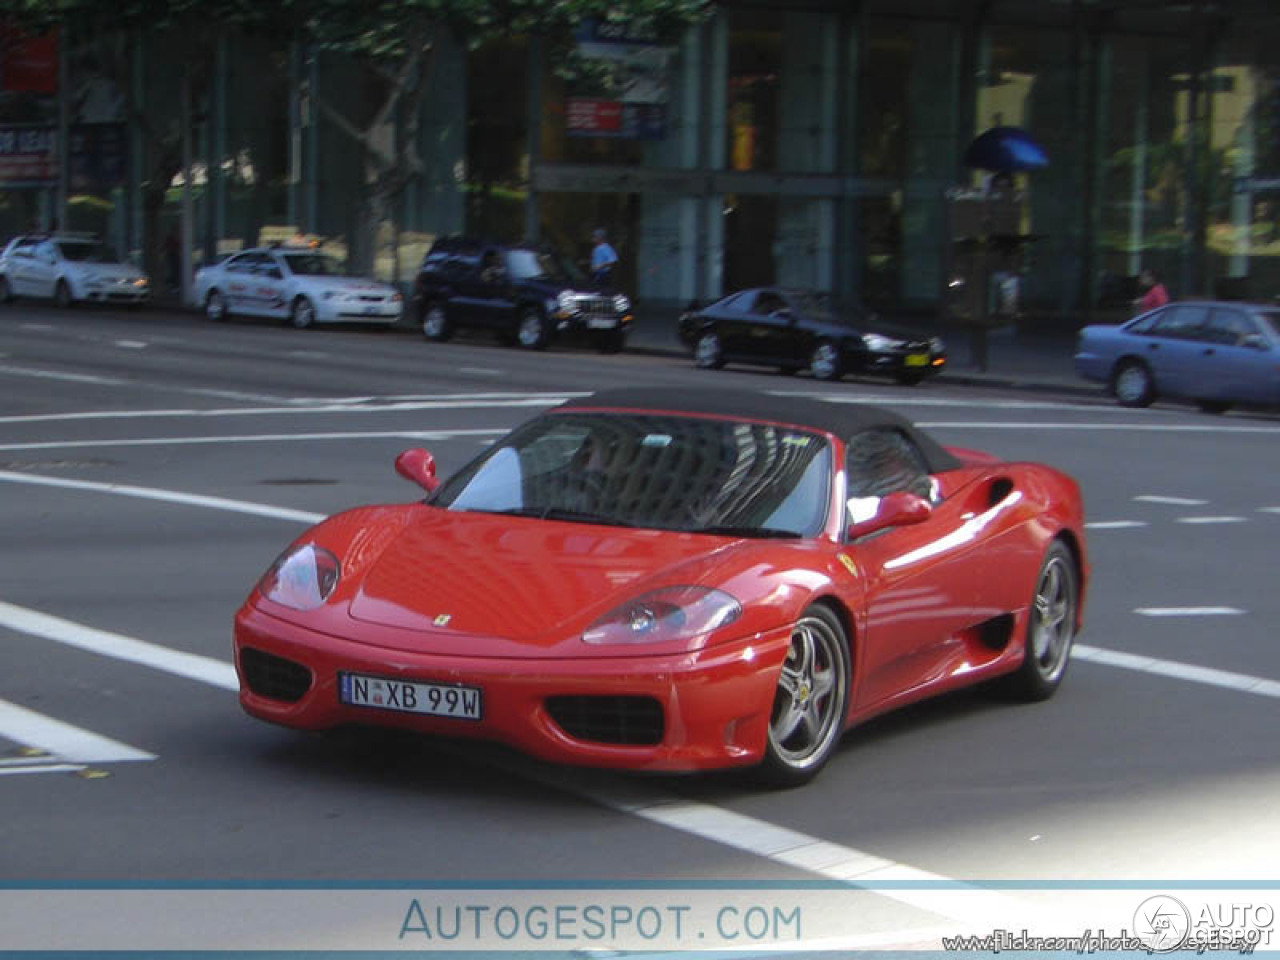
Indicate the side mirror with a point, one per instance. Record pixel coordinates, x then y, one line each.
418 466
900 509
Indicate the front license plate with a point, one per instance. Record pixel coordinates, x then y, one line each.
602 323
916 360
404 696
372 311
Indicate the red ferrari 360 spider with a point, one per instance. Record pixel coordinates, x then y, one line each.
649 581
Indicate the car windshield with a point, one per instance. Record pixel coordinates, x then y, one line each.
654 471
523 264
83 251
313 265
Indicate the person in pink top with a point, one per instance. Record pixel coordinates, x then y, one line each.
1156 295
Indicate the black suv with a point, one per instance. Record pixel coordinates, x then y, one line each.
528 296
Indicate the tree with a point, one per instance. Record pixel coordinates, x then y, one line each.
395 41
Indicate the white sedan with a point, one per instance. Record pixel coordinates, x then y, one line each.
69 269
297 284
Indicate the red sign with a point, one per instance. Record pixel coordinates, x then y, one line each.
28 155
593 116
28 64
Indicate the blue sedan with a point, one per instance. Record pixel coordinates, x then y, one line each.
1215 353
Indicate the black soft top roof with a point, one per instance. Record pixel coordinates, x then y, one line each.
842 419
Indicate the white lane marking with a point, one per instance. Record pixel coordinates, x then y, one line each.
1210 520
1114 524
63 740
57 375
41 768
483 371
351 405
166 496
256 438
35 326
33 623
1188 611
1171 501
1269 509
1241 682
132 344
1217 429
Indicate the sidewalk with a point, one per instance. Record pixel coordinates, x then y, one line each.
1015 359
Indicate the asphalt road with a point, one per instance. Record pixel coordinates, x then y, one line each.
133 448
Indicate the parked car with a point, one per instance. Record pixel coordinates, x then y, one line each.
297 284
69 268
655 580
796 330
1216 353
526 295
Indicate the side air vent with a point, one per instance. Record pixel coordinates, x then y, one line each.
626 721
274 677
1000 488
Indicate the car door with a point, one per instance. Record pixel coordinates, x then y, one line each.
20 264
1173 346
746 327
237 282
925 585
271 286
1238 363
43 269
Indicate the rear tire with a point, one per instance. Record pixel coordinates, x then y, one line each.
1051 628
1132 384
811 701
708 354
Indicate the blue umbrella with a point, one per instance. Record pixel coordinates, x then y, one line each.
1005 149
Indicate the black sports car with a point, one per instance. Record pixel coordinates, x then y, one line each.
795 330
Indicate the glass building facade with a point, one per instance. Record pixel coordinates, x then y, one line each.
809 144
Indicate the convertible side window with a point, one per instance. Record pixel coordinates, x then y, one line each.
883 461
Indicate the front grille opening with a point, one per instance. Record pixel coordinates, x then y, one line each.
274 677
627 721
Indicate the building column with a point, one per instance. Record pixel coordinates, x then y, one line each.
807 144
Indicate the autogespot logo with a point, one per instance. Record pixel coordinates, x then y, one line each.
1162 923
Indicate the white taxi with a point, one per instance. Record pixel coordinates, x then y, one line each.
68 268
297 284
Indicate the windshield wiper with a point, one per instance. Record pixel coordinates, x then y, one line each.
765 533
554 513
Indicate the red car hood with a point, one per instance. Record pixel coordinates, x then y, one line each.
453 578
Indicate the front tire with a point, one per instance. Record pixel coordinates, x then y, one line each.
215 306
303 314
824 362
532 332
1132 384
1051 628
811 701
62 295
435 323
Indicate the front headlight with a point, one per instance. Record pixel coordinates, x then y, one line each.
936 345
621 303
879 343
302 578
567 302
665 615
140 282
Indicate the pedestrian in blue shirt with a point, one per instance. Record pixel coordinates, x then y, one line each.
603 257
